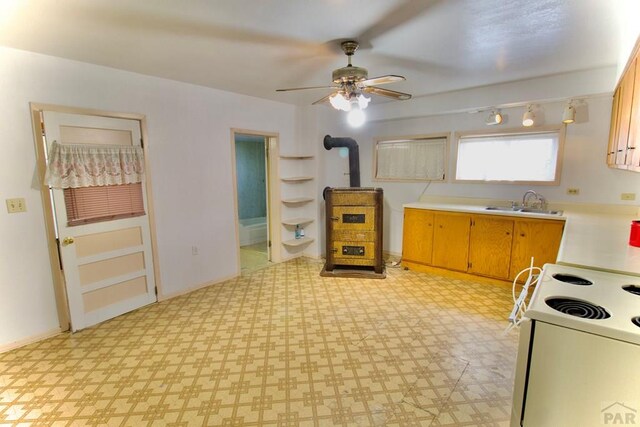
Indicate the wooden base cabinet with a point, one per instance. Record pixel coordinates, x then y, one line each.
538 239
490 244
451 240
485 245
417 236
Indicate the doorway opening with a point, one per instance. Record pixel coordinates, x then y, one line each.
252 167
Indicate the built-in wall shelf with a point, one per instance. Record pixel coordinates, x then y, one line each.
297 221
298 200
298 242
296 156
295 179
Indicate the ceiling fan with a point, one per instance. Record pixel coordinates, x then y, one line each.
350 83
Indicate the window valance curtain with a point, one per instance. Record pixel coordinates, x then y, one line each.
77 166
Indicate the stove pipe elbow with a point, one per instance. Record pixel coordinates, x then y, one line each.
354 156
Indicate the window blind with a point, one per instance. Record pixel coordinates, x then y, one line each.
94 204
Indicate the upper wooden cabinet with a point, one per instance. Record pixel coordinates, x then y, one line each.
624 136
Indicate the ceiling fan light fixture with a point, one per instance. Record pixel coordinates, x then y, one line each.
363 101
339 102
356 117
528 118
569 114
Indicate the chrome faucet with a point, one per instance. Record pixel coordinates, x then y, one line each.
540 201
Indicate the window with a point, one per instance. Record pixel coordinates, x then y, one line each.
416 158
516 157
94 204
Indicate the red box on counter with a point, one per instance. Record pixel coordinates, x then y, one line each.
634 237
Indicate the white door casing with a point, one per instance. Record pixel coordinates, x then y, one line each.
108 268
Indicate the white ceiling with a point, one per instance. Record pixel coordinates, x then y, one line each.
256 46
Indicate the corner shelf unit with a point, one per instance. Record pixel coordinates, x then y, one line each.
296 197
295 179
298 200
297 221
298 242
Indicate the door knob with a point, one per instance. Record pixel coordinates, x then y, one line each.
68 241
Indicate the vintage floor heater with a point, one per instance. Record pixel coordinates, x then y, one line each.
354 232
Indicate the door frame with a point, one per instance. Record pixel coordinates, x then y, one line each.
273 192
57 273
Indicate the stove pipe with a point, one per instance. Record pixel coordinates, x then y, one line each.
354 156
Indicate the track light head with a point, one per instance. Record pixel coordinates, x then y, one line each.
495 118
528 118
569 114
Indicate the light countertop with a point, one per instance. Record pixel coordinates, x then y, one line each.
593 238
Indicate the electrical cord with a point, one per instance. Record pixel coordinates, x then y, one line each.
520 303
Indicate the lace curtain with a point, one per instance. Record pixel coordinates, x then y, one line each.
76 166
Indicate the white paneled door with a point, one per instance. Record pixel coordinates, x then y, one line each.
108 265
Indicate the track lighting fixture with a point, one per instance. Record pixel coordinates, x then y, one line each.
569 114
528 117
495 118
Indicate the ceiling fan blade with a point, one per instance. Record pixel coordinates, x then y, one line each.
386 92
305 88
323 99
382 80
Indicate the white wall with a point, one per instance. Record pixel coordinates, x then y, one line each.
190 154
584 159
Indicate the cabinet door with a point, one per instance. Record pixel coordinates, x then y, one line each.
451 240
490 244
626 101
538 239
417 236
633 157
614 128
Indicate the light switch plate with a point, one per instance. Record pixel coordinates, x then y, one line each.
16 205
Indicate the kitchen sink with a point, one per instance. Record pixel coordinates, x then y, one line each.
523 209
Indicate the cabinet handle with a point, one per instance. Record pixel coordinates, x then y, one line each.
508 233
335 218
521 234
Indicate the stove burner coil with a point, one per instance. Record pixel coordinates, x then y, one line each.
574 307
636 321
633 289
572 280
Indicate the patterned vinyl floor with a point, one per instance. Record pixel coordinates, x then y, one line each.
280 347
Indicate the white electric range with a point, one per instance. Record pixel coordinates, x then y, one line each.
579 351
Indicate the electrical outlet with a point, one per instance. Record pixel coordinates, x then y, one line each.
16 205
628 196
573 191
194 250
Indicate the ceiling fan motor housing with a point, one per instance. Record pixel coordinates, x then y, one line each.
350 74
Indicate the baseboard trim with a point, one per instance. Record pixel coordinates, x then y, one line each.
30 340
